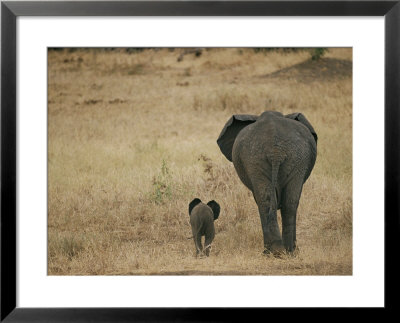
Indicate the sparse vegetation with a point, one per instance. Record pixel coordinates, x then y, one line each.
132 140
317 53
162 189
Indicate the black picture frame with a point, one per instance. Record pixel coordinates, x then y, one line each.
10 10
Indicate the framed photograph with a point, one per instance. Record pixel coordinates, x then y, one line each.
197 160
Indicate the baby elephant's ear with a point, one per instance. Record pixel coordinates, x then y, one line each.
231 129
301 118
215 208
193 204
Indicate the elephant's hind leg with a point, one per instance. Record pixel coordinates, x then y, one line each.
209 237
269 223
290 202
198 245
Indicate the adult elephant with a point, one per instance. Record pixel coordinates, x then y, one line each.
273 155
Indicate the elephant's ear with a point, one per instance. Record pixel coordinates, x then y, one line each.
215 208
193 204
301 118
228 135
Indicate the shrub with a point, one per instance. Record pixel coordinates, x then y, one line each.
317 53
162 188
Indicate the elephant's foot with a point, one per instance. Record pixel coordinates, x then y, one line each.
203 254
293 250
207 250
200 255
276 248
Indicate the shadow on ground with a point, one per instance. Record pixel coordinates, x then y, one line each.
311 71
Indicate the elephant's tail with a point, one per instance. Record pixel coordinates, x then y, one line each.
274 182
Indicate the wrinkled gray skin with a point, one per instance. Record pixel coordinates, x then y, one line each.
202 217
273 156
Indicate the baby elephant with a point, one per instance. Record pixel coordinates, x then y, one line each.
202 217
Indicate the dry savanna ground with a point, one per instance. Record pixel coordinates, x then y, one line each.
132 140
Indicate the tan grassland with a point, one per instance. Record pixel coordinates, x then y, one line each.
132 140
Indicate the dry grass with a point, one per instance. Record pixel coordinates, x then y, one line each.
132 140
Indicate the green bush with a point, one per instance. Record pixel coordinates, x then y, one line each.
162 188
317 53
